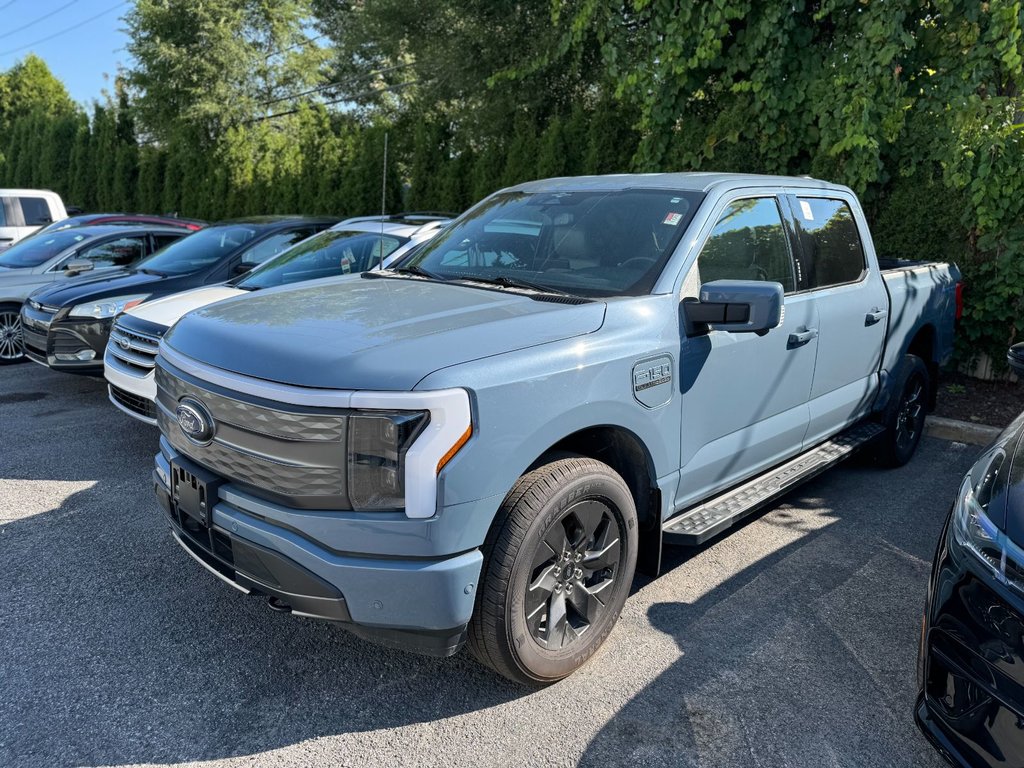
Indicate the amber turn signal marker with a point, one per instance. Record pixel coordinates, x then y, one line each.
455 448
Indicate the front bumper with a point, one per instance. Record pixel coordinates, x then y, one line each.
66 344
133 393
413 603
971 703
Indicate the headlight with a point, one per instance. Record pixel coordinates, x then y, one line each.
107 307
974 530
377 447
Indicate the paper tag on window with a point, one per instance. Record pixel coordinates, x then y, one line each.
806 208
673 219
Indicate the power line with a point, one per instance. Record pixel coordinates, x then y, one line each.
64 31
8 4
44 17
352 97
295 45
328 86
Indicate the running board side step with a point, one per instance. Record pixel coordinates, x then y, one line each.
698 524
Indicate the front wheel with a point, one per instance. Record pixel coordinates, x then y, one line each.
904 417
558 566
11 349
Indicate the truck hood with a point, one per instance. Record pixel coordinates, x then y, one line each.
384 334
168 310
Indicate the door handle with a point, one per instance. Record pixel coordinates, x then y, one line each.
875 316
800 338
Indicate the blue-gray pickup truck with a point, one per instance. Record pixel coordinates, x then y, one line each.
482 443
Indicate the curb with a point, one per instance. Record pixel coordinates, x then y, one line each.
960 431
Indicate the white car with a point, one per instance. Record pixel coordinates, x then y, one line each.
353 246
23 211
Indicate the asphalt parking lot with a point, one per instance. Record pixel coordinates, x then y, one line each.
790 642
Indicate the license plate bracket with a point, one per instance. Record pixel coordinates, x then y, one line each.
194 492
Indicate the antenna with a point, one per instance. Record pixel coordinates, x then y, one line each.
383 202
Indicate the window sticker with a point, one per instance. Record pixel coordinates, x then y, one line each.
673 219
806 208
675 199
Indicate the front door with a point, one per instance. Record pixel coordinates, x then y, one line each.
744 396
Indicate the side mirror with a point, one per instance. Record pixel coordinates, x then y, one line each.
241 268
77 266
739 306
1015 357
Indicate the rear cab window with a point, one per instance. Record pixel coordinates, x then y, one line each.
831 251
35 211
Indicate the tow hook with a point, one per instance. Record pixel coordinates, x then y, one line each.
276 604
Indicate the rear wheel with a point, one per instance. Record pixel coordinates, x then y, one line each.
904 417
11 349
558 566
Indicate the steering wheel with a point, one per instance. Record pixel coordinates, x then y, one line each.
644 261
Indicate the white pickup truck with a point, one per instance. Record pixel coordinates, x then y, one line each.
23 211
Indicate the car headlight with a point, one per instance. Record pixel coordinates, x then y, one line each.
107 307
975 531
377 447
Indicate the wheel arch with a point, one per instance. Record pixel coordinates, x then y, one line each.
626 453
923 345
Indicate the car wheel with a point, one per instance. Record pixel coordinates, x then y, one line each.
11 349
904 416
558 565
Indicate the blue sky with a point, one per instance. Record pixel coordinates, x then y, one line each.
80 57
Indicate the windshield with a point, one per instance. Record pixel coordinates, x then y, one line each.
39 249
586 243
330 253
200 250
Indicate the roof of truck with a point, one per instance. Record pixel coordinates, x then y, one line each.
702 181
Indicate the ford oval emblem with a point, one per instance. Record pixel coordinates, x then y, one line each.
195 421
124 344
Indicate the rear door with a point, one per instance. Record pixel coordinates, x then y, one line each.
852 308
744 396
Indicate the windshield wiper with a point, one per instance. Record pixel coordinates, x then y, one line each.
153 272
415 269
505 281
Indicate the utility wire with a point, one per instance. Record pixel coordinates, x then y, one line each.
353 97
64 31
295 45
8 4
333 85
44 17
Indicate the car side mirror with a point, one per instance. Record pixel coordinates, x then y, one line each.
1015 357
739 306
241 268
77 267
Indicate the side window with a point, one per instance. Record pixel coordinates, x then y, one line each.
161 241
832 253
3 212
748 243
35 211
274 245
115 253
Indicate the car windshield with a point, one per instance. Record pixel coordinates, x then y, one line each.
334 252
200 250
39 249
585 243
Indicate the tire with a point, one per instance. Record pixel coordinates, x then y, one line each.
903 418
564 544
11 349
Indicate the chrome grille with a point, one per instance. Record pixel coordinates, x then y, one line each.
136 352
293 454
